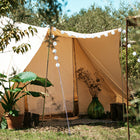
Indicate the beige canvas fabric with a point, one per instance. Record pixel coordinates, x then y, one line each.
100 55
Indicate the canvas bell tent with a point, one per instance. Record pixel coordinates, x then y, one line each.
97 53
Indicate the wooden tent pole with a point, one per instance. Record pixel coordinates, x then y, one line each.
47 67
75 90
127 78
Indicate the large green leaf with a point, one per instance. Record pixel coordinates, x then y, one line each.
24 77
2 96
15 90
34 94
42 82
5 107
37 94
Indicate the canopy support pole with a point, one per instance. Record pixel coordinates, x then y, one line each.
75 90
127 79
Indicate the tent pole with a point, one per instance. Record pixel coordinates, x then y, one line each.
127 78
123 104
75 90
45 90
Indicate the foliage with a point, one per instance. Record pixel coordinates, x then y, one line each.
15 90
9 31
7 5
93 85
133 65
49 10
3 123
134 109
39 12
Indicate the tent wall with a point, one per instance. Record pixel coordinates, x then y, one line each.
54 102
104 55
106 96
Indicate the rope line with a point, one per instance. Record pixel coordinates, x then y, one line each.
64 102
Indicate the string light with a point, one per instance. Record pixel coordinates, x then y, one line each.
53 36
69 34
62 32
124 39
55 57
119 30
129 45
124 31
92 36
112 32
54 29
57 65
106 34
54 51
77 36
134 53
54 43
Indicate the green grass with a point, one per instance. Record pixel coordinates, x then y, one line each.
78 132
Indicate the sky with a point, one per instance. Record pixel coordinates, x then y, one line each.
76 5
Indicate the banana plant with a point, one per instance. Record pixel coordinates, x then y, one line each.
13 89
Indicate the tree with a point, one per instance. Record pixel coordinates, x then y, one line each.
9 31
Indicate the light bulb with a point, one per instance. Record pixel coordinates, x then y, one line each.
119 30
134 53
138 60
54 51
55 57
77 36
54 43
92 36
129 45
57 65
54 28
69 34
124 31
124 39
106 34
62 32
98 36
112 32
53 36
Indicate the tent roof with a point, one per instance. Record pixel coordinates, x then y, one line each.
20 61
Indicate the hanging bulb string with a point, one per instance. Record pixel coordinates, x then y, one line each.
64 102
62 90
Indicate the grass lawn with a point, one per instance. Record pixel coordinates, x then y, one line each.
78 132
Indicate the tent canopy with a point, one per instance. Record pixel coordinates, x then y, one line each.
96 53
